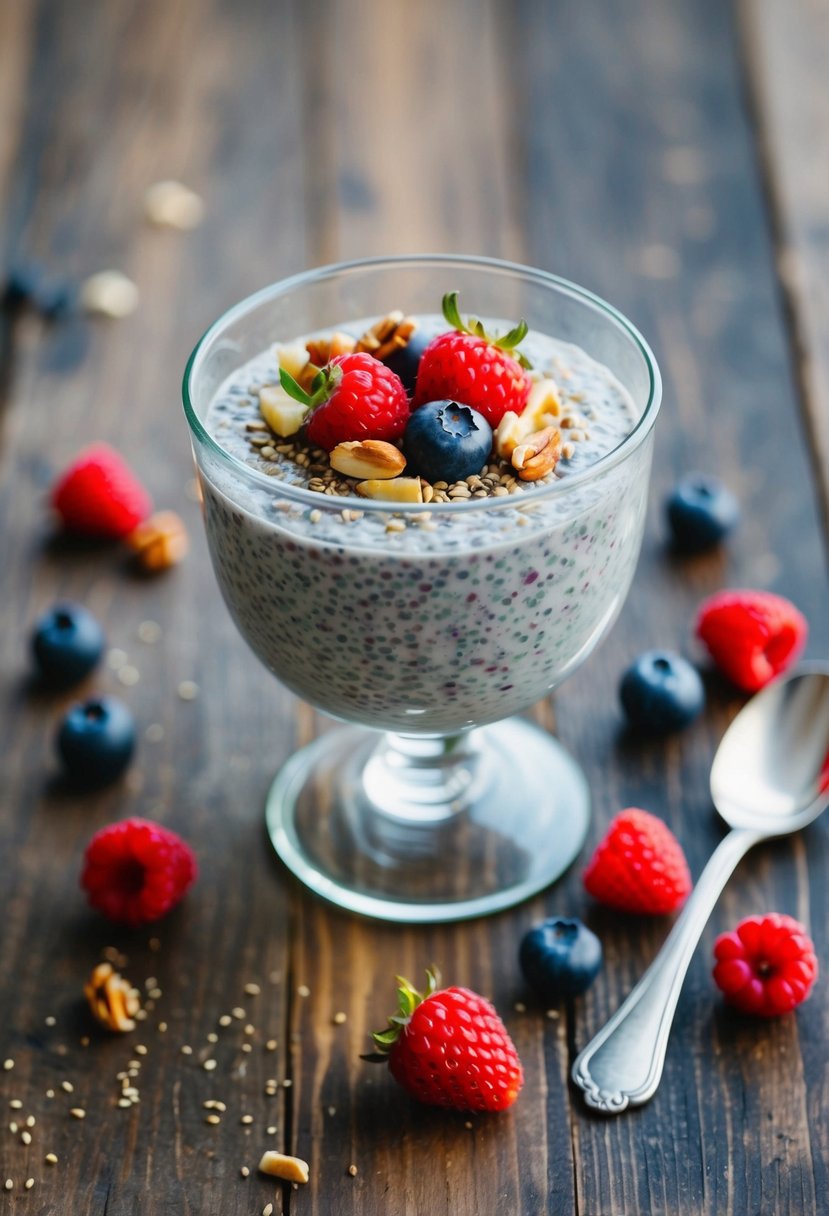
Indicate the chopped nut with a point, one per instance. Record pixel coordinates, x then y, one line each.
169 204
323 350
292 1169
371 458
537 455
113 1001
396 489
110 294
390 333
160 542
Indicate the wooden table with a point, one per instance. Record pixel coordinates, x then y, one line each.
671 157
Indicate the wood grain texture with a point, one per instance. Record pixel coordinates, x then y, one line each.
610 145
786 49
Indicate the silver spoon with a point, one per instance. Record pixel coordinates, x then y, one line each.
765 781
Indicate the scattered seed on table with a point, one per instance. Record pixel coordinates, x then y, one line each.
246 1119
140 1049
124 1103
552 1014
332 1110
155 993
239 1013
13 1128
339 1018
212 1038
186 1049
212 1119
520 1007
252 990
50 1093
162 1026
225 1019
209 1065
51 1159
247 1047
244 1171
128 674
154 944
352 1169
267 1210
271 1045
188 690
50 1021
8 1065
16 1104
303 990
30 1120
272 1130
149 632
67 1087
26 1137
287 1083
77 1112
9 1184
250 1028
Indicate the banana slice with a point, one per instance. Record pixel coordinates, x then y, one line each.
282 414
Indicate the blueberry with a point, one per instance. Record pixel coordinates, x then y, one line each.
445 441
67 642
661 692
701 512
96 740
405 360
560 958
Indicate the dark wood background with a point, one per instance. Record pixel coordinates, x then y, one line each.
670 156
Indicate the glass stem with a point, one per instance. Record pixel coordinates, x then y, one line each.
417 779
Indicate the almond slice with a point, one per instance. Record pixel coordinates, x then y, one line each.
538 454
368 459
397 489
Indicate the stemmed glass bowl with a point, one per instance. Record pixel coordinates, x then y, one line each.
425 628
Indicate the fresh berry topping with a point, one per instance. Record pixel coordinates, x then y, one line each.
661 692
639 866
450 1048
67 642
136 871
470 366
445 441
99 495
95 741
752 636
701 512
767 966
352 397
560 958
404 361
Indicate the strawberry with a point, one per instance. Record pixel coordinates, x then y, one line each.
99 495
639 866
752 636
767 966
352 397
448 1047
470 367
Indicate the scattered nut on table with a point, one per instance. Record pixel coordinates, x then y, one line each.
291 1169
113 1000
160 542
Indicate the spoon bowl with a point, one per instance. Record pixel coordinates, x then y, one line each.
771 763
770 777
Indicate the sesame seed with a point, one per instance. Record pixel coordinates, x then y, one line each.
50 1159
186 1049
26 1137
287 1083
50 1021
246 1047
29 1183
552 1014
212 1119
13 1128
212 1038
30 1120
225 1019
78 1112
162 1026
520 1007
140 1049
244 1171
16 1104
140 1015
271 1045
84 1040
8 1065
339 1018
267 1210
67 1087
149 632
239 1013
124 1103
468 1124
352 1169
252 989
154 944
332 1110
9 1184
209 1065
246 1119
155 994
188 690
250 1029
303 990
128 674
116 658
154 732
50 1093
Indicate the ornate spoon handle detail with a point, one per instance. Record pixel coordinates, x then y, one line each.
622 1065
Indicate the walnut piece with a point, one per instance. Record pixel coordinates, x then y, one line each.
113 1001
160 542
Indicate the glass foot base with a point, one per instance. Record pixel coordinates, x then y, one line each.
517 824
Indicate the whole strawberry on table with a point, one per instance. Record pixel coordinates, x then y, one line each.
448 1047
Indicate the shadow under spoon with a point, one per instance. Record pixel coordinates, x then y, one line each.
769 778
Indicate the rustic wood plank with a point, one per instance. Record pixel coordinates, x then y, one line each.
786 49
116 102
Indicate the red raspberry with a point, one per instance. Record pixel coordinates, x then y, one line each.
767 966
99 495
352 397
450 1048
639 866
136 871
468 366
752 636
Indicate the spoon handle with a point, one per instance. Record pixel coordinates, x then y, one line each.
622 1065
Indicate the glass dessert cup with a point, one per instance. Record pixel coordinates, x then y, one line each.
425 628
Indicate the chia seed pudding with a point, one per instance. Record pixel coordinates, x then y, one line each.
427 619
